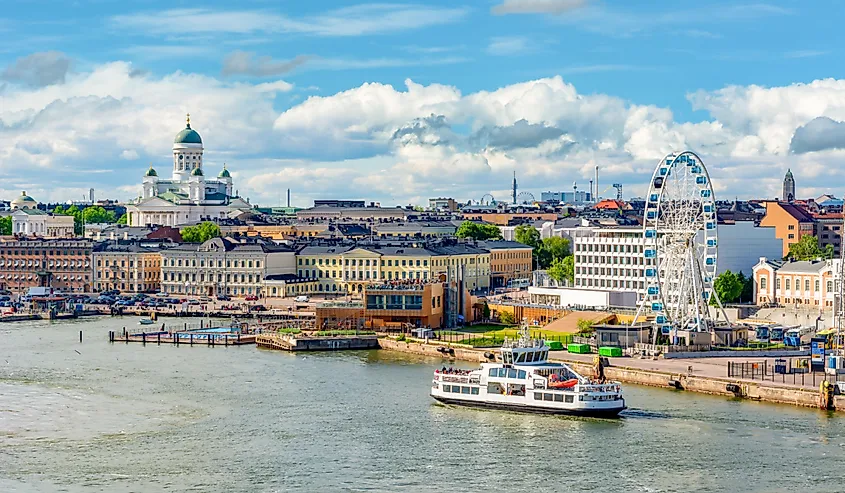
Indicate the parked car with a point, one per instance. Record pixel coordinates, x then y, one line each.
251 297
205 299
257 308
301 299
224 297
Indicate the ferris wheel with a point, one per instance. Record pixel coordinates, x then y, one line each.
680 240
525 198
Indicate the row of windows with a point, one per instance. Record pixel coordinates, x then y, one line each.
507 372
114 263
45 252
556 397
607 283
602 247
788 284
510 255
458 389
600 259
798 301
233 290
104 274
138 288
32 277
44 263
361 276
365 262
229 263
601 271
202 277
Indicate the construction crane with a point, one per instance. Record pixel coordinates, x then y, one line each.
618 187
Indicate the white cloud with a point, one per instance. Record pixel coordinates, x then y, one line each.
357 20
537 6
392 145
508 45
129 154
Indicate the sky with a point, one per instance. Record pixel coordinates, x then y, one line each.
398 102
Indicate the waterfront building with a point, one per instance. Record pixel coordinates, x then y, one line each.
801 284
576 197
388 305
187 197
224 266
63 264
128 266
35 222
467 261
828 230
509 260
788 187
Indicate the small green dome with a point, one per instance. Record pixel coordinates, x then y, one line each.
24 201
224 173
188 135
151 172
196 172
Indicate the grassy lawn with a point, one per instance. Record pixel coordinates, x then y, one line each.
481 328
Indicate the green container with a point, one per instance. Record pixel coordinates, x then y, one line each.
554 345
578 348
610 351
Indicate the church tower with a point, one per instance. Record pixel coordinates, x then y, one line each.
187 153
788 187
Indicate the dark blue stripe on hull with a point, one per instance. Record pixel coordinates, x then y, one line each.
593 413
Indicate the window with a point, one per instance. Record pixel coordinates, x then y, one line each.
521 374
762 283
447 388
569 398
806 284
558 397
474 390
547 397
816 286
493 372
829 286
791 227
511 373
538 396
503 372
788 282
790 236
456 389
777 283
465 390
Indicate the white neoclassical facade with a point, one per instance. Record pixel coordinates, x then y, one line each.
187 197
29 220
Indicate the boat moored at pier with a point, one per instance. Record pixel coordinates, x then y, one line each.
526 381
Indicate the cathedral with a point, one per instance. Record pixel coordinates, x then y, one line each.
187 197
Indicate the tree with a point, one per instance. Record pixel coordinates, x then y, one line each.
469 229
485 311
123 219
507 318
95 215
527 235
557 247
6 225
728 287
807 248
563 270
747 294
200 233
584 326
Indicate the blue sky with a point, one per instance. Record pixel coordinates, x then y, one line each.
92 91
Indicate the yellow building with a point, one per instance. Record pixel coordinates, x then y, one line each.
509 260
346 269
128 267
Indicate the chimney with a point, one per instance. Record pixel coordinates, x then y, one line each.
125 235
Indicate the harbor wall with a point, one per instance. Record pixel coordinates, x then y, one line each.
653 378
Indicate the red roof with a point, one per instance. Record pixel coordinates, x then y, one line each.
610 204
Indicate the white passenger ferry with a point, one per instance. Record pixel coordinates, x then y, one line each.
526 381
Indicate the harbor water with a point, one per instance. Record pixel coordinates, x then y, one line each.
94 416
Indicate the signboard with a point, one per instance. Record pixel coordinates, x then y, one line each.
817 353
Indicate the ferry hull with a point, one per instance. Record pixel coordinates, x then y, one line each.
592 413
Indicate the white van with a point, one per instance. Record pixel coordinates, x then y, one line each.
301 299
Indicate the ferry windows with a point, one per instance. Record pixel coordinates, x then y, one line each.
465 390
503 372
456 389
493 372
521 374
569 398
447 388
538 396
547 397
511 373
520 358
558 397
474 390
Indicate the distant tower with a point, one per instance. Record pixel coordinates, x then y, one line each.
288 197
575 192
788 187
597 184
91 195
592 195
514 187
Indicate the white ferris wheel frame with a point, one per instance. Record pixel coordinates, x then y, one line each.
679 280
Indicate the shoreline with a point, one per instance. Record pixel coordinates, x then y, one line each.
742 389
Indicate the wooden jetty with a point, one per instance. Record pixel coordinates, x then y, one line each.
189 338
300 342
